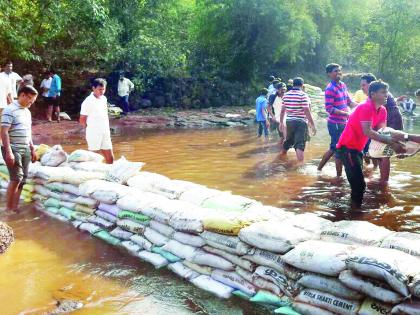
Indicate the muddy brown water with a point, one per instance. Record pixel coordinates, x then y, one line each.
52 261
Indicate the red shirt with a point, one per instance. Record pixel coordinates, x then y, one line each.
352 136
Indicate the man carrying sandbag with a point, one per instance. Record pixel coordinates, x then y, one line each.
18 150
94 117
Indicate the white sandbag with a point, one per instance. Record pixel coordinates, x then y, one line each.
180 250
135 201
307 309
263 213
309 222
208 284
203 270
355 232
184 272
389 265
90 227
89 202
68 204
79 177
288 287
189 239
107 216
173 189
131 226
328 284
53 174
197 196
103 191
68 197
227 201
161 210
71 189
320 257
131 247
121 170
155 259
111 209
100 221
273 236
76 223
246 264
265 258
206 259
155 237
248 276
90 165
121 234
84 156
233 280
54 157
407 308
41 190
404 241
415 285
189 219
266 285
142 242
146 180
231 244
370 287
374 307
328 301
163 229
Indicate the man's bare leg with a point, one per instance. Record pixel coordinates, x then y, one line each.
12 195
109 156
300 156
49 112
325 158
338 166
384 169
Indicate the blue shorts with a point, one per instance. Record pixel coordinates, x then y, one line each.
335 130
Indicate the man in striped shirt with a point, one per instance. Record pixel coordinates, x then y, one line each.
18 150
296 107
337 105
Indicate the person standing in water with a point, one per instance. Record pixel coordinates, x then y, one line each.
54 93
13 77
275 104
261 113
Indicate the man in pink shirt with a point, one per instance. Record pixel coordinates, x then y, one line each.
362 125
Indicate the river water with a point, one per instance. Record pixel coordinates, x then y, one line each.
50 260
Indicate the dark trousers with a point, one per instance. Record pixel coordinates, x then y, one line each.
353 162
262 126
124 104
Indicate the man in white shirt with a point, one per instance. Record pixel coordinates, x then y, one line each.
5 93
125 87
13 77
94 117
45 88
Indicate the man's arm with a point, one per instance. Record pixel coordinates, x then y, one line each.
82 120
308 115
131 85
9 158
372 134
329 104
282 114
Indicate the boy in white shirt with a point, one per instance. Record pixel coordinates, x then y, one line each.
94 117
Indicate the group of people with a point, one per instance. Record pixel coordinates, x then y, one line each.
352 123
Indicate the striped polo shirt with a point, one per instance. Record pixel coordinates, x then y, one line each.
19 121
336 97
295 101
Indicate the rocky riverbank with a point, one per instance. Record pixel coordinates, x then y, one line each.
6 237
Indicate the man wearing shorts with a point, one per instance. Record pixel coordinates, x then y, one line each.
18 150
94 117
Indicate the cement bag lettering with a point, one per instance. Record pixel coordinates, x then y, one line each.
138 217
404 241
165 254
370 287
90 227
111 209
121 234
108 238
266 297
228 202
131 247
328 301
146 180
355 232
246 264
184 272
162 228
265 258
307 309
208 284
189 239
415 285
54 157
328 284
407 308
160 210
155 237
180 250
84 156
231 244
374 307
309 222
320 257
203 270
131 226
142 242
389 265
122 170
188 218
155 259
287 287
206 259
171 189
105 215
233 280
273 236
197 196
100 221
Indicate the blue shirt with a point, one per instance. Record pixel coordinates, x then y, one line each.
261 105
55 88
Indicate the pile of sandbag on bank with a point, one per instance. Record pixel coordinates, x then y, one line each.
232 245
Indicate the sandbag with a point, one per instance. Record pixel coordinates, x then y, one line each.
71 189
307 309
121 170
163 229
155 237
85 209
230 244
374 307
79 177
328 301
328 284
90 165
105 236
68 204
355 232
111 193
76 223
184 272
54 157
320 257
404 241
266 297
264 213
131 247
133 202
100 221
146 180
288 287
54 186
245 264
309 222
233 280
228 202
225 224
52 209
138 217
142 242
197 196
111 209
155 259
206 259
161 210
85 201
52 202
247 275
105 215
389 265
203 270
415 285
79 216
266 285
90 227
189 239
273 236
188 220
121 234
84 156
174 188
180 250
40 150
131 226
208 284
53 174
407 308
241 295
67 213
369 287
167 255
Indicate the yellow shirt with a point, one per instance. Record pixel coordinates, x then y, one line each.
359 96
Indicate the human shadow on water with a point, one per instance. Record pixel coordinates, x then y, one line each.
266 149
265 169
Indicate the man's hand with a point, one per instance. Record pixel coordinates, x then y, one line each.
33 155
398 148
313 129
267 123
397 136
401 98
9 158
